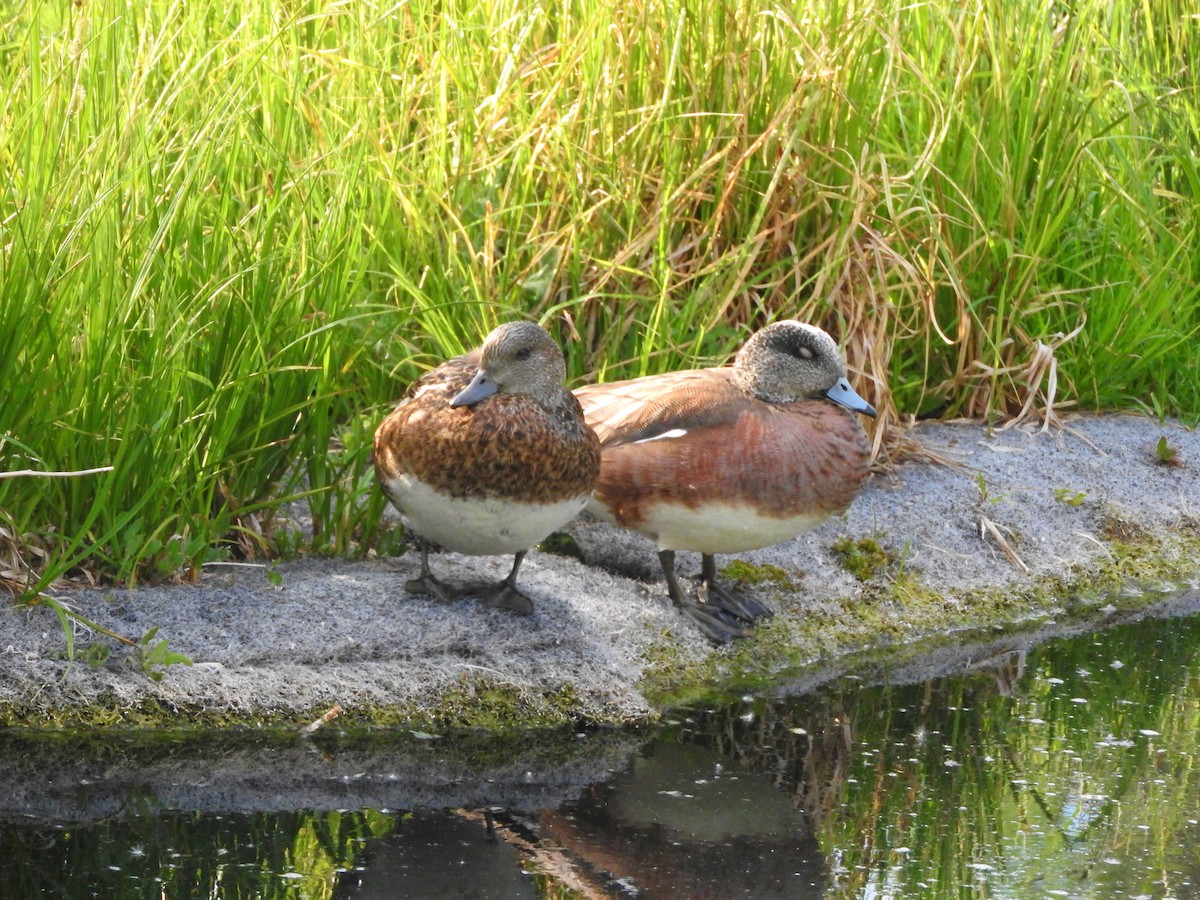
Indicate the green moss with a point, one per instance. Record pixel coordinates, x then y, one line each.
562 544
473 703
469 704
897 615
751 575
865 558
478 704
150 714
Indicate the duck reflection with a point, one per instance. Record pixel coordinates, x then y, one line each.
684 821
438 855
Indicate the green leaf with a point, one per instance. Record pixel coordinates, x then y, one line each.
1167 454
155 658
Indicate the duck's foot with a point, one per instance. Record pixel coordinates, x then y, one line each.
743 608
747 609
716 624
433 587
427 583
503 596
497 596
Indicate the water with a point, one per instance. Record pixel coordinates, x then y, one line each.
1006 770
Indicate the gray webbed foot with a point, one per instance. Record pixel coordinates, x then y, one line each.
716 624
742 607
721 620
428 584
433 587
504 594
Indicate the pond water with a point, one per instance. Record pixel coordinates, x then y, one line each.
1011 768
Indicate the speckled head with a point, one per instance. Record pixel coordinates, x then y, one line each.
517 358
789 361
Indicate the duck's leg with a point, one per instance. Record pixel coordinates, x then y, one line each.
505 595
427 583
717 625
745 608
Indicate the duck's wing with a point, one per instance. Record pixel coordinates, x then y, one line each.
660 406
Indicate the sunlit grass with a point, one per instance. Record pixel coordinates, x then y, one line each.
230 234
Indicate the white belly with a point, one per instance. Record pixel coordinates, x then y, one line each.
716 527
478 527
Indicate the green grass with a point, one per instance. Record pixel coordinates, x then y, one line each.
230 234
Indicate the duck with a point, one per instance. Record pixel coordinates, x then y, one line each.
730 459
488 454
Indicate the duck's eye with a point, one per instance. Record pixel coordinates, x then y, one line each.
799 351
523 353
796 344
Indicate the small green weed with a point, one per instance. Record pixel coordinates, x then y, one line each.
152 657
1166 453
155 657
96 654
1069 496
985 494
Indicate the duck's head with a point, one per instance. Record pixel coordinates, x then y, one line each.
517 358
790 360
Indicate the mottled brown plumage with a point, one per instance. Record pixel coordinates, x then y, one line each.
511 447
488 453
730 459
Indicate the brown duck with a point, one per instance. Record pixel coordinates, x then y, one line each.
487 454
730 459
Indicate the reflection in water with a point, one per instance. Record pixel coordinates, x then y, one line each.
439 856
1080 782
272 816
1067 769
172 854
686 822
